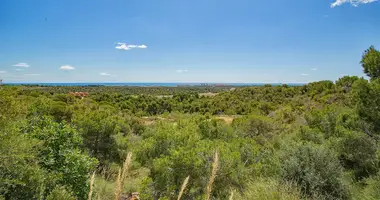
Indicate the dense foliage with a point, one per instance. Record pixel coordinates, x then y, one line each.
316 141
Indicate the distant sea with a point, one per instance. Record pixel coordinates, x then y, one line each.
155 84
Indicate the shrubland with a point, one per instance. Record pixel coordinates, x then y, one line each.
315 141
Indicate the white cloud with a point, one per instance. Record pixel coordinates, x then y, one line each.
142 46
104 74
66 68
19 70
21 65
125 46
352 2
3 72
305 74
314 69
181 70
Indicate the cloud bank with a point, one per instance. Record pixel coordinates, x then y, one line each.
352 2
67 68
125 46
21 65
3 72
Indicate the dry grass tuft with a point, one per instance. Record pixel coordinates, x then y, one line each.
184 184
215 167
91 185
122 175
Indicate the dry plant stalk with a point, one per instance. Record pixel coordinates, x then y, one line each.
126 166
118 186
232 195
215 166
91 184
122 175
184 184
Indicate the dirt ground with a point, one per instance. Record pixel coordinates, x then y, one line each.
152 120
226 118
208 94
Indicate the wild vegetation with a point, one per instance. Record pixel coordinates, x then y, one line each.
316 141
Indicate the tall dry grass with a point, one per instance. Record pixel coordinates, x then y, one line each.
184 184
118 186
122 175
91 186
215 167
232 195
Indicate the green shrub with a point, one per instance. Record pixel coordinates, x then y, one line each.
255 127
60 193
372 189
315 170
358 152
310 135
237 163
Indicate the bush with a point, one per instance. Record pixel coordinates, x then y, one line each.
315 170
60 193
255 127
372 189
237 159
325 120
214 129
310 135
358 152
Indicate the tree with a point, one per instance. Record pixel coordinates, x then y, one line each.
60 155
371 62
99 128
10 108
346 82
367 99
20 175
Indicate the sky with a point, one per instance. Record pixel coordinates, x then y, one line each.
215 41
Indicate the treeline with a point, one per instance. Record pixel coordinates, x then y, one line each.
128 90
240 101
317 141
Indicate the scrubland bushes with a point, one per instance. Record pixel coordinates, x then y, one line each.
318 141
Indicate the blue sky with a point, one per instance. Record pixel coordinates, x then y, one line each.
248 41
